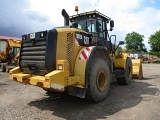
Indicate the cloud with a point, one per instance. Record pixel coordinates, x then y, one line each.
36 16
132 16
22 17
12 18
17 19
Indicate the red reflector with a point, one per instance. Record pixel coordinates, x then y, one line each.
46 80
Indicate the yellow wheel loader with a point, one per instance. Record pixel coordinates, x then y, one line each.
78 59
9 52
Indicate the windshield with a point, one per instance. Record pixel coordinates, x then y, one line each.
3 45
87 25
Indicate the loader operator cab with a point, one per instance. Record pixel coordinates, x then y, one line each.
95 24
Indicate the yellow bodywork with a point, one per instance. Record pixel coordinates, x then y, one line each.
137 68
70 70
14 43
57 79
120 60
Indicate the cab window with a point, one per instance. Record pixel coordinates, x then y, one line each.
3 45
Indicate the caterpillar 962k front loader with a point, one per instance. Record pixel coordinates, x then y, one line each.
77 58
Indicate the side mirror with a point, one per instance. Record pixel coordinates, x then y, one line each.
111 25
121 42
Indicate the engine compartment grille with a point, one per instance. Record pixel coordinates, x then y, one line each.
70 53
38 55
33 54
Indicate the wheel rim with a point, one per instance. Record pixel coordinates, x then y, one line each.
101 81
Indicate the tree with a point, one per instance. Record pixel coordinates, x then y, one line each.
154 41
119 49
134 42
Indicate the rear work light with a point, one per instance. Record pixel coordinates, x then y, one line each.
60 67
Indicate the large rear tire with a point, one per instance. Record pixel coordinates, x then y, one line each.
127 79
98 80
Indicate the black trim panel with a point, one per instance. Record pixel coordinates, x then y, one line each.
50 57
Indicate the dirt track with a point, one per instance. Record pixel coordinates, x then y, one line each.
138 101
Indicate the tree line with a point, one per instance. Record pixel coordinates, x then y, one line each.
134 43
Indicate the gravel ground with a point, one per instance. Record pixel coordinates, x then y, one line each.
137 101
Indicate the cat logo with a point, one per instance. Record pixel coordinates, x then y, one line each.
32 36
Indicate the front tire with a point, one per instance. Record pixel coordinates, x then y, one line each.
127 79
98 80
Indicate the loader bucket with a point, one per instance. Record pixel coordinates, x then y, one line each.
137 68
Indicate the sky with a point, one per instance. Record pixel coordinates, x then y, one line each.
26 16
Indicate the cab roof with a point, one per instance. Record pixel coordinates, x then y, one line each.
91 14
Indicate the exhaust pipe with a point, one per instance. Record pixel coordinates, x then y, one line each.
66 17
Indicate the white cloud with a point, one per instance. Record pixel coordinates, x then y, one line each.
36 15
53 9
131 16
128 15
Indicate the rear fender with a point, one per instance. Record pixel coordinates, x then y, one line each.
82 64
79 71
81 61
